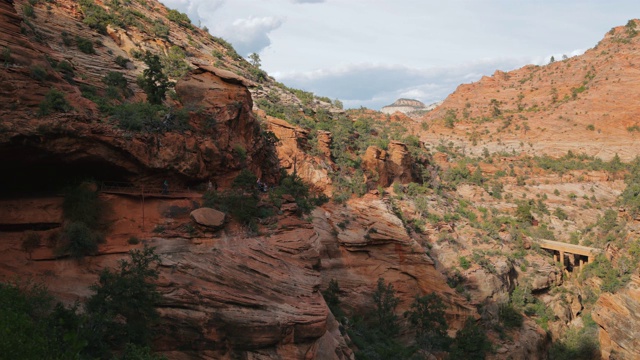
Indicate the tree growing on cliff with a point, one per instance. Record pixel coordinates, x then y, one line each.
471 342
254 59
153 81
427 317
123 309
386 302
118 318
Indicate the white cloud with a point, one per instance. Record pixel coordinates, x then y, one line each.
377 85
250 35
436 42
196 10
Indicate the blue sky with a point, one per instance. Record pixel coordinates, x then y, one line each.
372 52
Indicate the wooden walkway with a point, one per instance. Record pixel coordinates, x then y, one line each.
147 192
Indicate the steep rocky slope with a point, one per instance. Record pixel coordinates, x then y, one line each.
618 316
552 108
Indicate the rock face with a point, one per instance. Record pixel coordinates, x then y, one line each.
291 151
208 217
365 241
223 297
82 144
618 316
385 167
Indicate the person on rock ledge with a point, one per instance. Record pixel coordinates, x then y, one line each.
165 187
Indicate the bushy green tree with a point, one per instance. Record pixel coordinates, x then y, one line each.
123 306
80 240
153 81
427 317
470 343
523 213
254 59
386 301
33 327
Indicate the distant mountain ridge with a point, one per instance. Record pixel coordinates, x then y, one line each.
407 106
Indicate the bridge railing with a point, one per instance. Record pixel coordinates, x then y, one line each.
131 189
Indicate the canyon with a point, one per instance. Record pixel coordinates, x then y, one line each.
413 214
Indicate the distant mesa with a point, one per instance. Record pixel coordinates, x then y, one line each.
408 106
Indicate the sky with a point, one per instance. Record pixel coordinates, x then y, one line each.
369 53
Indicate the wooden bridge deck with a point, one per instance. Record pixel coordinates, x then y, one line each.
149 192
569 248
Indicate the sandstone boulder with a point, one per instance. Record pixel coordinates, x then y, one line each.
208 217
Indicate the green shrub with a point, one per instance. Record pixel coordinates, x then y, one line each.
136 116
179 18
577 344
160 29
560 214
450 118
30 242
630 197
240 152
174 64
119 318
122 61
27 10
293 185
80 240
66 69
386 301
85 45
82 204
523 213
510 317
117 81
38 73
66 40
464 262
95 16
54 100
6 55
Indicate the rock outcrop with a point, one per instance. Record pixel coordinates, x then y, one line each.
292 151
364 241
618 316
383 167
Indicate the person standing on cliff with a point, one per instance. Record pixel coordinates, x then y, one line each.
165 187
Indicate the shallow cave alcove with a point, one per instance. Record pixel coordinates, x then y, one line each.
32 171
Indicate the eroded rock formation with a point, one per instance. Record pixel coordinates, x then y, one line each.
618 316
